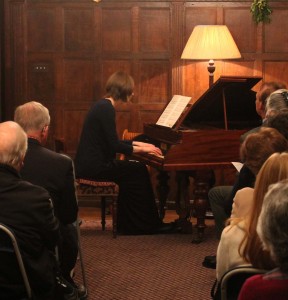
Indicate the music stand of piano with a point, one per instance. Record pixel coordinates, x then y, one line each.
205 137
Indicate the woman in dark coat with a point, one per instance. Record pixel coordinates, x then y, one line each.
96 159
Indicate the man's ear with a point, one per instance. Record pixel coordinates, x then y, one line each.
21 163
44 134
45 129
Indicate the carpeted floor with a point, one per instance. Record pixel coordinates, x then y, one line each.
145 267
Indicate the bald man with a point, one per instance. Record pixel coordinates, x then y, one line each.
26 209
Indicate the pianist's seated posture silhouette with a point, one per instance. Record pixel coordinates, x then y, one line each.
96 159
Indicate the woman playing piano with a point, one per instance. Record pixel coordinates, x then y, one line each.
96 159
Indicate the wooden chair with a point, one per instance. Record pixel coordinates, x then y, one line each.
231 282
102 189
14 287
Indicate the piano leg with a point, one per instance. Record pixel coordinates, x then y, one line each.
203 182
162 191
200 207
183 202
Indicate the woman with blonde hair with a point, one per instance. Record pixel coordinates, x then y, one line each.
272 228
274 170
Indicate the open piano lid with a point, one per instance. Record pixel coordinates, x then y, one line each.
229 104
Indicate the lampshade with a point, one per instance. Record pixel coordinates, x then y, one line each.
211 42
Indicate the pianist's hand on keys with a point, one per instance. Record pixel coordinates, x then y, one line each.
140 147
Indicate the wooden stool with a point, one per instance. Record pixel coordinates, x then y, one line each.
102 189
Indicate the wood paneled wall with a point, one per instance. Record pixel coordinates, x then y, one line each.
62 52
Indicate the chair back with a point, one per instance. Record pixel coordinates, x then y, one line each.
231 282
14 281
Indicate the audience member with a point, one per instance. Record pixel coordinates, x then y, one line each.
240 243
96 159
260 103
272 229
279 122
27 209
221 197
276 102
54 172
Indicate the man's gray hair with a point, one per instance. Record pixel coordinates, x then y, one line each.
277 102
32 116
272 224
13 144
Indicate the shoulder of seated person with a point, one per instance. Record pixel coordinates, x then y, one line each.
61 156
231 229
38 191
245 191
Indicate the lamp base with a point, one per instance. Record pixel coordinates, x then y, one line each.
211 68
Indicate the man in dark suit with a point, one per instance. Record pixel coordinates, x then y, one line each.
27 209
54 172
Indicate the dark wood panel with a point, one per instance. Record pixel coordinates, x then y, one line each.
198 16
149 116
116 30
242 28
78 84
124 117
276 71
42 32
276 35
155 30
41 80
79 29
15 58
73 122
154 81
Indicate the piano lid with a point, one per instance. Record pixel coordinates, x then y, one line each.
228 104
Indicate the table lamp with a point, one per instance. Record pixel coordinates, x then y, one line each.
210 42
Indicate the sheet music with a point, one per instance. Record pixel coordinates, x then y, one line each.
173 111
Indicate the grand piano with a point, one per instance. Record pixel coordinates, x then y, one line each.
205 137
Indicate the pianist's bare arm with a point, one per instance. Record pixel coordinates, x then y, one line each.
140 147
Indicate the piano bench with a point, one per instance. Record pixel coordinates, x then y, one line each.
102 189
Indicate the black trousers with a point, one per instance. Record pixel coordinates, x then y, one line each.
68 250
137 210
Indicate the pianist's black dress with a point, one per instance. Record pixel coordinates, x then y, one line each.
95 159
